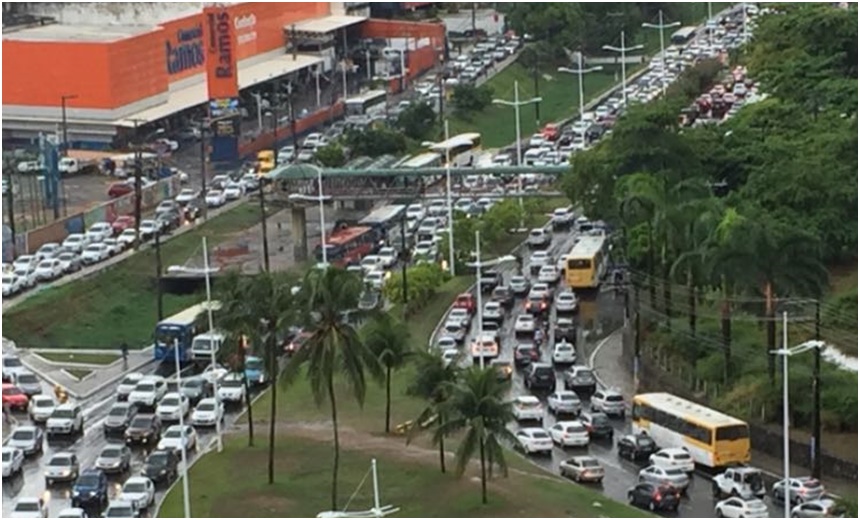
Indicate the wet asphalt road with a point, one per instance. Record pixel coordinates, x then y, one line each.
599 314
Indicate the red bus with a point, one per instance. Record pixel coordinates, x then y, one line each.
347 245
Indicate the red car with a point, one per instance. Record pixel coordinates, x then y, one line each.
122 223
465 301
13 397
118 189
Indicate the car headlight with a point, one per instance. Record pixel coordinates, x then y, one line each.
76 493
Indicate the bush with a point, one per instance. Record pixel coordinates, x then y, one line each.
417 120
468 98
374 142
422 282
331 156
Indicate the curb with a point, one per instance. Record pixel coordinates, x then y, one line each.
102 385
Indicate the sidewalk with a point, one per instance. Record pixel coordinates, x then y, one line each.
611 371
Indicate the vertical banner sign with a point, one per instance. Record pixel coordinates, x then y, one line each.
222 81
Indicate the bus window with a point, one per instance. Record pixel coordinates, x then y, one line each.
579 264
733 433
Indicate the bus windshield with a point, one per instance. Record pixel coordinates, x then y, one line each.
579 264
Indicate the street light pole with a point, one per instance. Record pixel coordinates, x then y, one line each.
786 452
186 495
322 217
450 205
580 72
623 50
661 27
480 308
212 350
63 100
516 103
259 98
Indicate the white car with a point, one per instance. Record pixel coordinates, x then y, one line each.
185 196
99 231
120 509
30 507
113 246
72 512
569 433
215 198
170 144
172 438
566 302
460 314
375 279
534 440
148 391
736 507
538 237
450 355
126 238
148 229
562 217
425 249
609 402
95 253
528 408
525 323
250 181
13 460
234 191
172 407
538 259
140 491
49 269
49 250
564 402
67 418
446 343
540 289
126 386
208 412
548 274
563 353
214 373
29 166
76 242
670 458
12 284
231 388
370 263
387 257
493 311
61 467
415 211
25 262
27 279
40 408
536 141
312 139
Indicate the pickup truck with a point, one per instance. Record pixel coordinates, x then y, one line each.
73 166
490 279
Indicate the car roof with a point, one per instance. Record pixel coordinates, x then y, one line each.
533 429
527 399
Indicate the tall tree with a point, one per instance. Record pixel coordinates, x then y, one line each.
334 346
477 405
388 339
433 382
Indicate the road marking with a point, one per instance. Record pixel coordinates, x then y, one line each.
594 354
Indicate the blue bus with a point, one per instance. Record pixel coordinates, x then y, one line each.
179 330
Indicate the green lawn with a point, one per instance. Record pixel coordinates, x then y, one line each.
79 373
233 484
560 93
89 359
118 305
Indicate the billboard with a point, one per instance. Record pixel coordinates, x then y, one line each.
222 81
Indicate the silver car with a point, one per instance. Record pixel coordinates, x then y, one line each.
455 330
566 302
28 383
564 402
62 467
28 439
114 458
582 468
677 478
801 489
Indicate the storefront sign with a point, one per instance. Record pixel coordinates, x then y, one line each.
221 70
246 28
186 52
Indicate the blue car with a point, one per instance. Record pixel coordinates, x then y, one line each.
255 371
90 490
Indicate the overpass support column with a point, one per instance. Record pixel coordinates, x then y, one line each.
300 233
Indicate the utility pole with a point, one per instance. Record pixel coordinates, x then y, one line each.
204 126
474 24
623 50
636 337
158 289
404 257
293 130
816 396
137 185
10 197
63 99
537 90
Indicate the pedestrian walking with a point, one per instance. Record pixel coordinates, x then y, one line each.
124 351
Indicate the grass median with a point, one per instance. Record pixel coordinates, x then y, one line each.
119 304
86 359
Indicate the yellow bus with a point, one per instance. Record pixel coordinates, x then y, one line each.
712 438
463 150
585 266
265 161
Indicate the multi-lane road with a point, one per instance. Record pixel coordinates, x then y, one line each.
598 314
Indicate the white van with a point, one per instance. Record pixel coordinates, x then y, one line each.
203 344
532 156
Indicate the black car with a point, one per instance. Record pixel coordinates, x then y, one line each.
144 429
504 296
90 490
597 424
169 219
525 354
636 447
161 466
540 376
654 497
565 329
119 417
192 211
490 279
537 305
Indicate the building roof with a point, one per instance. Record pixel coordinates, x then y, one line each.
197 94
327 24
78 33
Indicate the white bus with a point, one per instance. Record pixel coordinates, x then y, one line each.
387 220
683 35
462 150
366 104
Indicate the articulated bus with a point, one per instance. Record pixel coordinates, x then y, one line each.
712 438
586 264
179 331
462 150
347 245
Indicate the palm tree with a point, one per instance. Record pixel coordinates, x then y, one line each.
433 380
776 259
388 339
334 345
476 404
